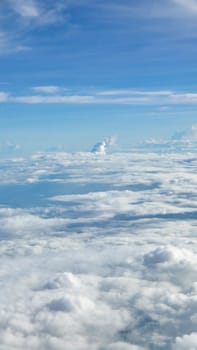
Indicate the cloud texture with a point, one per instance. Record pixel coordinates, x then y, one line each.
96 251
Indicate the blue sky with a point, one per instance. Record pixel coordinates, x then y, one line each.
74 72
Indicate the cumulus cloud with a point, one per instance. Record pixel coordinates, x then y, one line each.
103 146
98 251
167 255
188 341
100 147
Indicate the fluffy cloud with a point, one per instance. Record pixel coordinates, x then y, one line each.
186 342
98 251
168 255
102 147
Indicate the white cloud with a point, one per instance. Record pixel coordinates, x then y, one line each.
38 99
187 342
164 255
25 8
123 346
50 89
184 98
112 257
102 147
135 92
99 148
114 97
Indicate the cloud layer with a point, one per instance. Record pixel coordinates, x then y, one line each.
99 249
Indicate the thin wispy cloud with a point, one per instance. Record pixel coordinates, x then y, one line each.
189 6
50 89
4 97
51 95
127 92
20 17
144 9
27 15
39 12
40 99
25 8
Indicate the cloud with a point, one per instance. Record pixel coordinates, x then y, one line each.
111 257
25 8
167 96
25 16
39 12
113 97
188 341
168 255
134 92
4 97
184 140
102 147
50 89
20 17
189 5
123 346
57 99
99 148
187 136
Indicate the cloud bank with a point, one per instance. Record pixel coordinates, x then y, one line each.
98 251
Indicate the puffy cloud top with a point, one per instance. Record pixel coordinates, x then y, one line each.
103 146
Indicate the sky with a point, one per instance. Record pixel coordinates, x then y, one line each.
75 72
98 186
